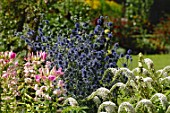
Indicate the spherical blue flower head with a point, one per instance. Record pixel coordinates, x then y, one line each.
100 53
91 35
102 33
78 36
43 48
46 21
40 34
83 55
39 44
50 53
131 58
61 43
106 66
106 58
35 44
124 65
121 55
112 64
110 60
22 37
85 24
127 56
76 55
74 32
30 33
129 51
98 28
110 35
59 56
99 21
67 41
110 24
77 25
60 62
40 29
56 45
101 17
84 73
48 46
27 40
114 54
48 38
95 46
37 38
116 45
71 35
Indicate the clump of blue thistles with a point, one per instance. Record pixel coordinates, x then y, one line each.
84 54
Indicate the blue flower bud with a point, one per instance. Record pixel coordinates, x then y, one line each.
110 35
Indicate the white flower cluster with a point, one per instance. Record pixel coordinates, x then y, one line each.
109 106
149 63
162 98
127 107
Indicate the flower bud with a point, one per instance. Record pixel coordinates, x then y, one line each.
12 55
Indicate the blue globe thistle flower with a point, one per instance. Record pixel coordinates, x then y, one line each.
99 21
82 55
116 45
124 65
110 35
129 51
127 56
77 25
110 24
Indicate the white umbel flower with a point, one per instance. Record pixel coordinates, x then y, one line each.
144 102
126 106
148 79
162 98
149 63
71 101
109 106
102 92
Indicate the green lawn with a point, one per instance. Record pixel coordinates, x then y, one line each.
160 61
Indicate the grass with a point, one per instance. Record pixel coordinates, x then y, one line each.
160 61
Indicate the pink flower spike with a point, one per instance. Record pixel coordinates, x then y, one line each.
43 55
51 77
44 77
61 83
16 63
37 78
5 75
12 55
59 72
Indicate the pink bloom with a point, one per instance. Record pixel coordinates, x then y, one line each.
44 77
60 83
12 55
57 92
16 63
43 55
51 77
59 72
5 75
37 78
